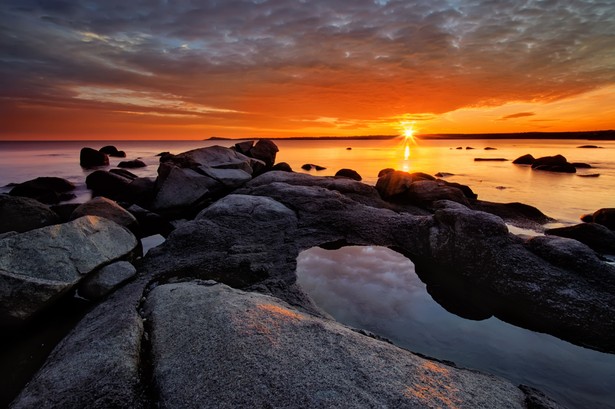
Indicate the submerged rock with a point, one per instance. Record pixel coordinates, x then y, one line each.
30 279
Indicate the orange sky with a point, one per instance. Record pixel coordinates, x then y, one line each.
192 70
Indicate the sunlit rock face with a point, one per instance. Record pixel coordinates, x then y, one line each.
223 336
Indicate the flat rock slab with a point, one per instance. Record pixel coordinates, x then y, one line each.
38 266
216 347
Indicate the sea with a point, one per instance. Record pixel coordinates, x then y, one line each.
564 197
377 289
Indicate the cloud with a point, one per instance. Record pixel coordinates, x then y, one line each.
345 59
517 115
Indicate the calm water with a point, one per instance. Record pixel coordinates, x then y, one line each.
562 196
377 289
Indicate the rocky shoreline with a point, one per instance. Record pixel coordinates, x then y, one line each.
214 317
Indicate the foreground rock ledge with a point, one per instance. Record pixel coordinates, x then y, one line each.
215 347
38 266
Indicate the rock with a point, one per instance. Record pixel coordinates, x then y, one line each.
348 173
581 165
124 173
394 183
488 148
444 174
90 158
21 214
112 151
490 160
103 207
466 190
244 147
469 147
518 214
526 159
65 210
588 147
425 192
108 184
186 182
587 218
605 217
589 175
459 147
49 190
121 187
385 171
205 335
556 163
264 150
105 280
556 168
595 235
132 164
349 148
282 166
30 280
310 166
98 364
150 223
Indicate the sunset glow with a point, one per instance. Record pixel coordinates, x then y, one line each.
238 68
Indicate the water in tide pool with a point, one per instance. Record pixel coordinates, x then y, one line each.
377 289
562 196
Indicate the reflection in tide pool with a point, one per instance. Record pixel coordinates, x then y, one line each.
377 289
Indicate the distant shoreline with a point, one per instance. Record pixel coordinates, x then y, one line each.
607 135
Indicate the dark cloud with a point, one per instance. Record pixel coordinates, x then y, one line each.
517 115
382 57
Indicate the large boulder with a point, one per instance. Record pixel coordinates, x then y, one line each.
595 235
186 182
392 184
420 189
49 190
38 266
204 336
121 186
264 150
98 365
90 158
21 214
103 207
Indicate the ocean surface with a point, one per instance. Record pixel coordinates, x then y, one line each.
564 197
377 289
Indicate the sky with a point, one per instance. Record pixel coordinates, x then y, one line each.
188 69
